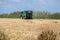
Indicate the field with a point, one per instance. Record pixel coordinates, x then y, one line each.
22 29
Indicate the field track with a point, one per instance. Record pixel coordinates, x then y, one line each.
22 29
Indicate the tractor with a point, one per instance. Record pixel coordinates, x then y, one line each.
27 14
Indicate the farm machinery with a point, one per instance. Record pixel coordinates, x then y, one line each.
27 14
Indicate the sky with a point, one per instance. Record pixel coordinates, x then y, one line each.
8 6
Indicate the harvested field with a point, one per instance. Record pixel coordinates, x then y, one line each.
21 29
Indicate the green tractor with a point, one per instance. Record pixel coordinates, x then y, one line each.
27 14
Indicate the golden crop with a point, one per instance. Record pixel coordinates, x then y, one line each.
22 29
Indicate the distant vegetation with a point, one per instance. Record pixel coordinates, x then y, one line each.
10 15
47 15
37 15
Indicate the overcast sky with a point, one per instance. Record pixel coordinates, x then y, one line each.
7 6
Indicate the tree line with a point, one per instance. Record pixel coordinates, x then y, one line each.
36 15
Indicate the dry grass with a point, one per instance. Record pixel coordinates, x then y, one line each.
48 35
18 29
2 36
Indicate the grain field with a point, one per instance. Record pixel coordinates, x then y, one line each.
22 29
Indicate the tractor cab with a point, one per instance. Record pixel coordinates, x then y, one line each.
27 14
